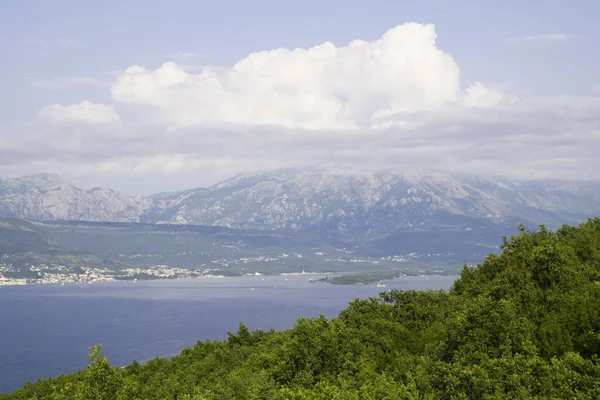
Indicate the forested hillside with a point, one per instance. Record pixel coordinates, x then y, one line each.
23 243
524 324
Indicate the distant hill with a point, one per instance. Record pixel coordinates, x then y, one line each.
20 236
23 242
213 247
233 251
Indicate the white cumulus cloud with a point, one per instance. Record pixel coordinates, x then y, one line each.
477 95
322 87
85 111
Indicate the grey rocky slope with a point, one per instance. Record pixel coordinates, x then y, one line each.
48 197
348 206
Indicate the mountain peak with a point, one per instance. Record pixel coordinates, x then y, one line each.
48 197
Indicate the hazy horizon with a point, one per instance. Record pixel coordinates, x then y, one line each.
298 172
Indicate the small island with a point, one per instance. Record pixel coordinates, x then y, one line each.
364 278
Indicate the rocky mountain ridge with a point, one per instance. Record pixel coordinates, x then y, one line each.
347 206
48 197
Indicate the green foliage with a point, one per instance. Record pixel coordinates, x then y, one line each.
364 278
524 324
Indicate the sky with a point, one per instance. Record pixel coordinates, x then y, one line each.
150 96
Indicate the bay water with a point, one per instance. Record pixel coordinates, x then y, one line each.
47 329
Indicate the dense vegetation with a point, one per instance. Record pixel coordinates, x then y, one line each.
524 324
364 278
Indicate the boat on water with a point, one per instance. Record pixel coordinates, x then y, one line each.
380 285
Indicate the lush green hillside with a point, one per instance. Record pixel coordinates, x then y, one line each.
524 324
23 243
115 246
20 236
185 246
233 251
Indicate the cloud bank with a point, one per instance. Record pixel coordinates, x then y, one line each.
390 103
323 87
85 111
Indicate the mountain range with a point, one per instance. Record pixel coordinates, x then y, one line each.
348 207
424 216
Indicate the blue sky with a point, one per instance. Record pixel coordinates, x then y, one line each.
65 52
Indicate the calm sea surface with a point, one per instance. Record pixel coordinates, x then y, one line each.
46 329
